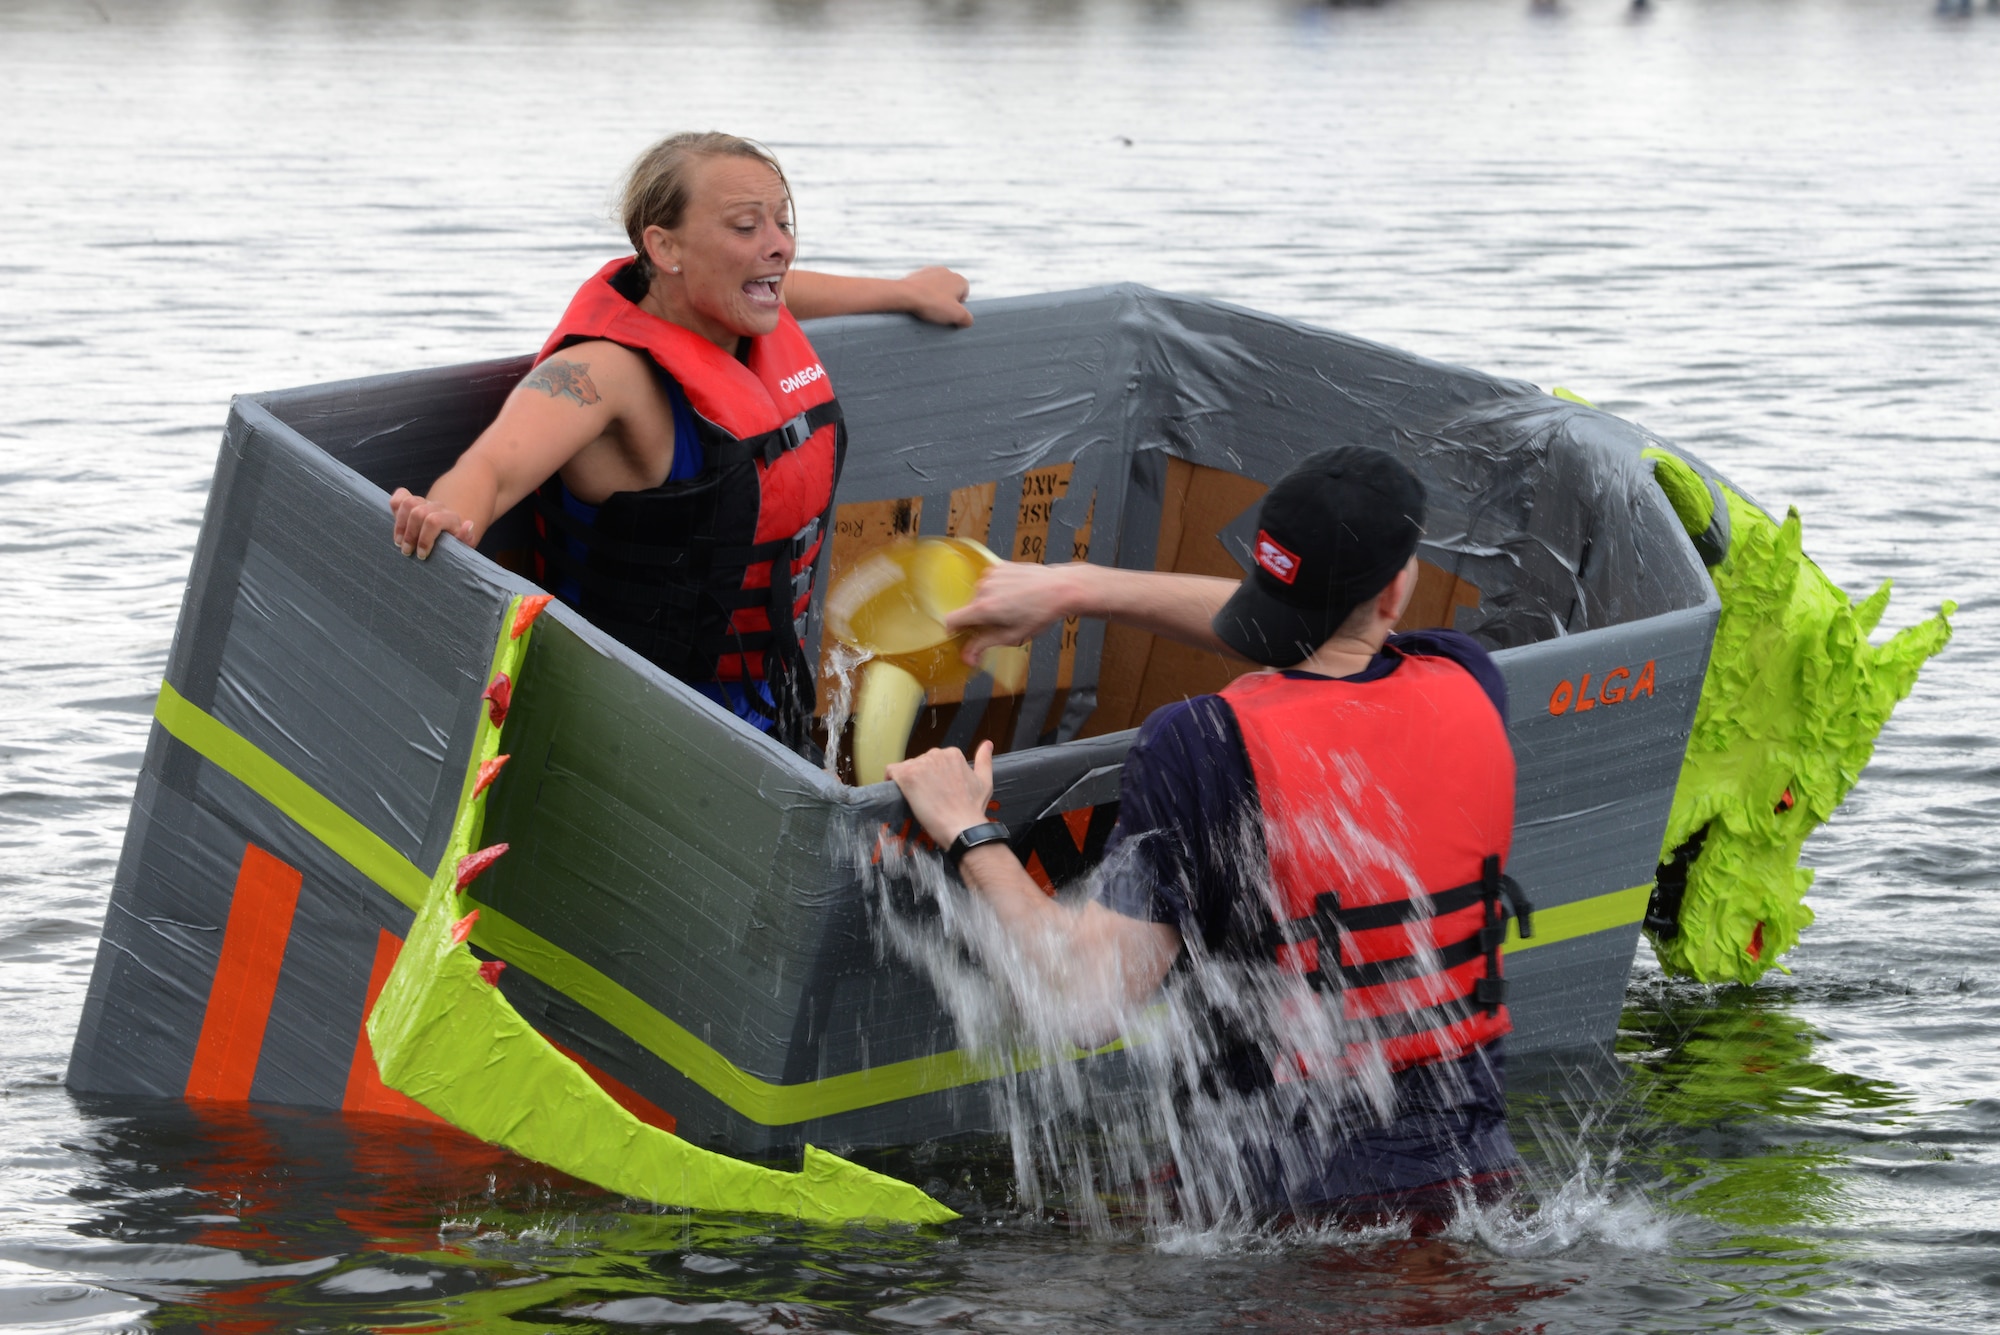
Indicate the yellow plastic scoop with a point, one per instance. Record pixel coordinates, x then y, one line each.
892 606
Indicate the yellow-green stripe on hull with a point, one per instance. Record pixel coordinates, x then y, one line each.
759 1100
359 846
1582 917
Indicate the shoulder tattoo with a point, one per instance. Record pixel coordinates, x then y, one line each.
563 380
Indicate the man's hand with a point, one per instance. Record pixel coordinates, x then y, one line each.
1095 962
946 795
938 295
420 522
1016 601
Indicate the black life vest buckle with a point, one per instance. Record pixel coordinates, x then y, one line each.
1493 885
794 433
1489 992
784 438
1524 909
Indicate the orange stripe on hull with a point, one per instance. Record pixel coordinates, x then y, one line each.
246 978
365 1091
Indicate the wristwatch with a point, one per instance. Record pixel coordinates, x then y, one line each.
992 832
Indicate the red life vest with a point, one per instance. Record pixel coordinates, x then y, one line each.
1388 810
683 572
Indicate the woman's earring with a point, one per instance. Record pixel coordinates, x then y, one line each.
673 268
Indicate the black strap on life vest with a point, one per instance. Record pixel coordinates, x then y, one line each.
689 554
1497 891
796 432
720 449
785 667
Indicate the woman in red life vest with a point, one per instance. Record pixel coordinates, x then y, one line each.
1326 840
678 435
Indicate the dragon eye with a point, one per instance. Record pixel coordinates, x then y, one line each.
1786 803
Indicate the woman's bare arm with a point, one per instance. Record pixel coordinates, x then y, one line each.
561 406
935 294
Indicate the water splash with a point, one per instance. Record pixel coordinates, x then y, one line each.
1553 1212
1180 1134
1588 1203
843 663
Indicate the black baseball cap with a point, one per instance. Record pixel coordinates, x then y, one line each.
1332 533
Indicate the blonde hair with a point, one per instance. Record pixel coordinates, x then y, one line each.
658 186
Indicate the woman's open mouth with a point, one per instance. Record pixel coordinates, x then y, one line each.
763 291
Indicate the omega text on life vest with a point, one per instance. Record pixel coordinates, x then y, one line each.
798 380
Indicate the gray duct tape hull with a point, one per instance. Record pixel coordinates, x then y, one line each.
677 904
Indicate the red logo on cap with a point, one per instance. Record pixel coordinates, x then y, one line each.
1278 563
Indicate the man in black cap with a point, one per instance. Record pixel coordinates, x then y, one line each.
1326 838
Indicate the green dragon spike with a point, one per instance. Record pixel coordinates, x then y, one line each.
1794 698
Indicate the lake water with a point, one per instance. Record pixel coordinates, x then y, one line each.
1769 231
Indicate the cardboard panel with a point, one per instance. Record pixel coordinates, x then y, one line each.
1439 598
862 527
1142 673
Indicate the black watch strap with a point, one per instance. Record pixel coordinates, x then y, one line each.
992 832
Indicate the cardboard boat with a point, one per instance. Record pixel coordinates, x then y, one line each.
679 907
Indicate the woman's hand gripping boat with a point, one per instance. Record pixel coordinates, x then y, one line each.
684 907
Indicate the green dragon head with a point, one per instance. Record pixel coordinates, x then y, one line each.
1793 700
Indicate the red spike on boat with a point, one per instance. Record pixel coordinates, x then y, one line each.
489 770
472 864
498 696
524 615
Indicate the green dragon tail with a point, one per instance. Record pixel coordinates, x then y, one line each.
1794 698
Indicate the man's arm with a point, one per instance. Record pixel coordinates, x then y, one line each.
1018 600
1101 961
935 294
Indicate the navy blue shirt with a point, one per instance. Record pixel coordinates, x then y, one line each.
1186 798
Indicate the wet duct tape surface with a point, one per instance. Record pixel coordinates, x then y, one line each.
679 908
